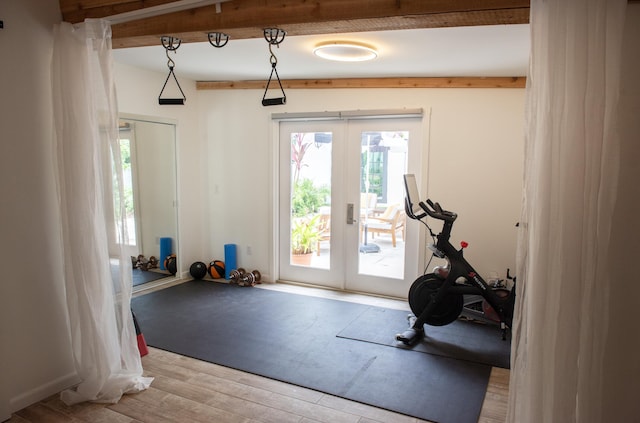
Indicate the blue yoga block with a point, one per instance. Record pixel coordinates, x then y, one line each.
230 259
165 250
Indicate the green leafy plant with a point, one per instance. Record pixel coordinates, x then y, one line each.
307 198
305 235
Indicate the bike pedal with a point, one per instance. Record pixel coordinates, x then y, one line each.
409 337
404 340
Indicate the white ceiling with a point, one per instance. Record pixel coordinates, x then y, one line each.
485 51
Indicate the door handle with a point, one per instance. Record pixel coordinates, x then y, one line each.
350 219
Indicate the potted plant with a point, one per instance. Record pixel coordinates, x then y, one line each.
304 239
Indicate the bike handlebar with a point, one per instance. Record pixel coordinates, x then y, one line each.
435 211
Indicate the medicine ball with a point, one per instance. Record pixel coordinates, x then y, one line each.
171 264
216 269
198 270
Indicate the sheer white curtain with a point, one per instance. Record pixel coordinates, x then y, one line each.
571 175
86 130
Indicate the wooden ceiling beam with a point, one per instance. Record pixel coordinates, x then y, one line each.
243 19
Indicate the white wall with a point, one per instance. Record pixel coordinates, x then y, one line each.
474 165
35 350
226 162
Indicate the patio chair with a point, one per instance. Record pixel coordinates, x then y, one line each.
324 229
390 222
368 203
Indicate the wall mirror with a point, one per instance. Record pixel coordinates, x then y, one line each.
148 166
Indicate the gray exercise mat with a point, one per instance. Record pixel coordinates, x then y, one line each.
292 338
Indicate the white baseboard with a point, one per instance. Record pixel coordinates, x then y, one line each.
39 393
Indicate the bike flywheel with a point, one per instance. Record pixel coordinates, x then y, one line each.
423 290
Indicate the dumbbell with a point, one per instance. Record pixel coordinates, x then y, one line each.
250 278
142 263
153 262
236 274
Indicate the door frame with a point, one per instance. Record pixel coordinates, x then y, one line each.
422 154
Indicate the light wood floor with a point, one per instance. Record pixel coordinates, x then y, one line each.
190 390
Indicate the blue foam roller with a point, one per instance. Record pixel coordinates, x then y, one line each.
230 259
165 250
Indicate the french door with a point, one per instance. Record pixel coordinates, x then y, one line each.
341 200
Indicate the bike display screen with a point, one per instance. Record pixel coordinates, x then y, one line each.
411 188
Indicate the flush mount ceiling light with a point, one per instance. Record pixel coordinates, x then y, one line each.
345 51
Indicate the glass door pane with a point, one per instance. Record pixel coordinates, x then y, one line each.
129 230
383 259
310 210
124 232
383 162
310 240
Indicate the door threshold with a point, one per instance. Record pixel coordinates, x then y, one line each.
338 294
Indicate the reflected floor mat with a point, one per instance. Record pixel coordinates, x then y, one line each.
140 277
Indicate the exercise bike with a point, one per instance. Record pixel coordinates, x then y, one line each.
439 298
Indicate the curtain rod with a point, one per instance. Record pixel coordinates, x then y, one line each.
350 114
162 9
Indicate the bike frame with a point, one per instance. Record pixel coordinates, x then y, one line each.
460 267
